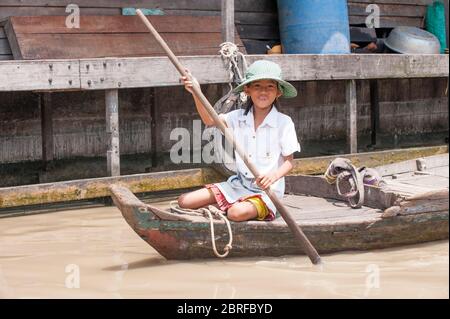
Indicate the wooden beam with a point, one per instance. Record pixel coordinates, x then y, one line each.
352 117
228 20
112 131
318 165
155 128
5 49
228 29
45 75
46 128
113 73
12 39
374 111
133 72
98 187
413 165
206 5
148 72
318 186
309 67
183 179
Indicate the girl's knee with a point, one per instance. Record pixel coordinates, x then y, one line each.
241 212
196 199
233 214
183 201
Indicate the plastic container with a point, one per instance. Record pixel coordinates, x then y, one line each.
314 26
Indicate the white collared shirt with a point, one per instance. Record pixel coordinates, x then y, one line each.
265 147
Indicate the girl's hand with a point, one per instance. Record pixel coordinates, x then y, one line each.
188 82
265 180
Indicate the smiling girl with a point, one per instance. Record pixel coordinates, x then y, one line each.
269 139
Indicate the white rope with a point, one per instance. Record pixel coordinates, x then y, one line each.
230 53
355 180
209 212
228 246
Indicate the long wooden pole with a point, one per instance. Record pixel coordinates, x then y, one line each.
305 243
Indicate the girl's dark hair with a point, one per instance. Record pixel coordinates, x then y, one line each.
249 103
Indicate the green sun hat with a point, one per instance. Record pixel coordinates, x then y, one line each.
267 70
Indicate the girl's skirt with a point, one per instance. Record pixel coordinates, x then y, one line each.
238 189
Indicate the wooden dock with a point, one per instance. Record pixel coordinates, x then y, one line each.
111 74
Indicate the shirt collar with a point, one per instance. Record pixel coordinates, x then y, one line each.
270 119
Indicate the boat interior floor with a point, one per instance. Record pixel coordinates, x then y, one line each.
316 210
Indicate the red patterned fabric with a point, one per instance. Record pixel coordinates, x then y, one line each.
224 204
220 199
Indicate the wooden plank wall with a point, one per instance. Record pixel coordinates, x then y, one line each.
44 37
407 106
256 20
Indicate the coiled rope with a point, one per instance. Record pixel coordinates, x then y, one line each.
209 213
230 54
355 179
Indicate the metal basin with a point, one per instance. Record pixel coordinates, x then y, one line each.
411 40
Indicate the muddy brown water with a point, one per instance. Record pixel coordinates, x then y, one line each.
93 253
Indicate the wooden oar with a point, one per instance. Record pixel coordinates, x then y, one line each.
305 243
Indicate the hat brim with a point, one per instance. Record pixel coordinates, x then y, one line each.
287 89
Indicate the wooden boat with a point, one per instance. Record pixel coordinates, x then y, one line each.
412 207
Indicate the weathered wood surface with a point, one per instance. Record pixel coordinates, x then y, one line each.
227 8
98 187
374 111
256 5
83 189
148 72
394 8
434 161
9 11
351 110
47 75
134 72
318 186
256 20
114 24
112 131
391 22
428 181
409 187
406 158
358 66
43 37
331 227
314 67
12 40
395 219
215 5
45 100
4 47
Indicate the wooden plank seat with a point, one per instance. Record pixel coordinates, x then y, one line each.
48 37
